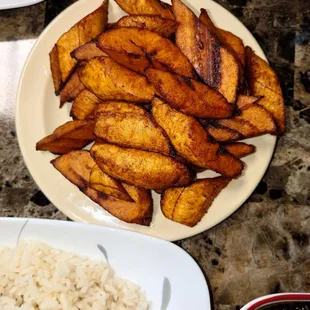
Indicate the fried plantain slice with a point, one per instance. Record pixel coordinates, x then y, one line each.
188 205
132 130
103 183
84 105
229 40
120 107
189 96
245 100
62 64
164 27
145 7
241 125
72 88
220 133
263 81
76 166
212 61
191 141
111 81
140 168
87 51
69 136
138 49
240 149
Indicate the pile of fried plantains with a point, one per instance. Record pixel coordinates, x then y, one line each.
163 95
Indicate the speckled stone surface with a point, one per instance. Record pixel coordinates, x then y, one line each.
265 246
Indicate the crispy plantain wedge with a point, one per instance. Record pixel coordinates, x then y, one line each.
240 149
62 64
191 141
145 7
140 168
188 205
138 49
72 88
244 127
189 96
245 100
220 133
263 81
103 183
120 107
132 130
76 166
72 135
84 105
87 51
212 61
111 81
164 27
233 43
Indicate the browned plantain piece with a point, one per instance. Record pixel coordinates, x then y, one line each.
240 149
145 7
263 81
72 135
140 168
244 127
212 61
132 130
111 81
76 166
233 43
120 107
72 88
138 49
84 105
164 27
245 100
189 96
62 64
191 141
220 133
188 205
87 52
103 183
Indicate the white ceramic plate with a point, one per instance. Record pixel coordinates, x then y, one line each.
38 115
12 4
169 276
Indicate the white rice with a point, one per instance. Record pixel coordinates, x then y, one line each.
35 276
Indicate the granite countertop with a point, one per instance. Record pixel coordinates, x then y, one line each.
265 246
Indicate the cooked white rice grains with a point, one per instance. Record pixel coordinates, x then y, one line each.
35 276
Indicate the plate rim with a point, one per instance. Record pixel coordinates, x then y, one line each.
19 4
69 212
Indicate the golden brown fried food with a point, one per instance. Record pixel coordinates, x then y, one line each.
76 167
263 81
244 100
189 96
164 27
111 81
233 43
244 127
191 141
87 52
62 64
120 107
72 88
145 7
138 49
70 136
240 149
140 168
132 130
188 205
220 133
212 61
103 183
84 105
